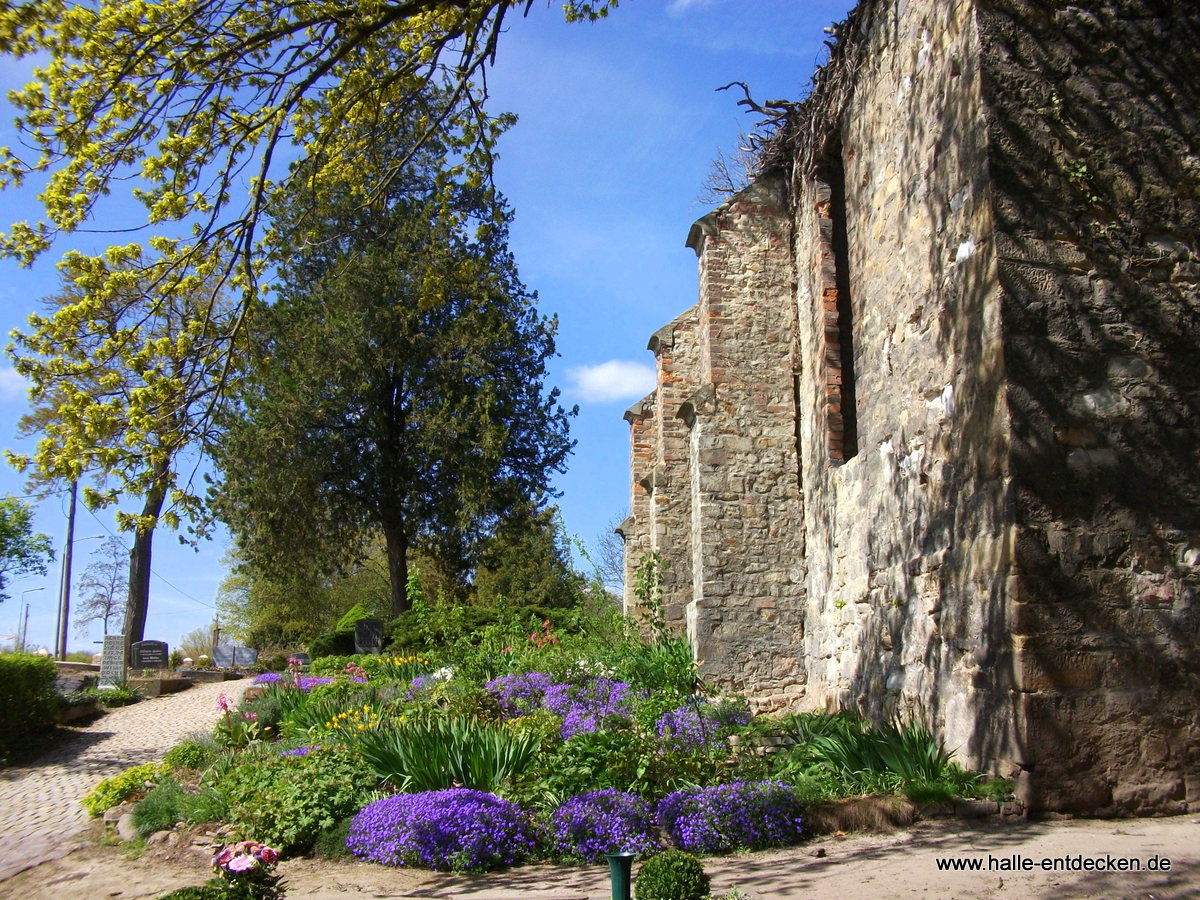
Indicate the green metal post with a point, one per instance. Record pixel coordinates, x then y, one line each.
620 869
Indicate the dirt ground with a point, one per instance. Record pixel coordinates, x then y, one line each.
1065 859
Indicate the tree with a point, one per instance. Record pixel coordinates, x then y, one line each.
397 387
197 105
22 552
124 394
199 642
104 586
527 561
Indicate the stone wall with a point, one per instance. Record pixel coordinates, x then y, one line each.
1094 135
937 444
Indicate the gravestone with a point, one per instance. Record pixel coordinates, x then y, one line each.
244 656
368 636
301 659
112 661
223 657
148 655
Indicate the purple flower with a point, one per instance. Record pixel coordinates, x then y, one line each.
519 695
299 751
696 727
741 815
610 821
459 830
268 678
307 683
601 703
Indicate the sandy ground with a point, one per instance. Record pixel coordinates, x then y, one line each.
901 864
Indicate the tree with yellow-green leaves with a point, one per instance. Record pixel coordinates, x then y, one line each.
197 106
122 397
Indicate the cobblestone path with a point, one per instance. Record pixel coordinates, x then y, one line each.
40 812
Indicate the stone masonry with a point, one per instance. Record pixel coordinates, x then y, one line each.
927 444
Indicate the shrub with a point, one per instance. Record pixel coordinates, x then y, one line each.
28 701
673 875
111 791
458 830
286 801
352 615
331 843
610 821
742 815
190 753
332 643
159 809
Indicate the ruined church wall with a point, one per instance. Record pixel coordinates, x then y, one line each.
747 536
902 421
1094 124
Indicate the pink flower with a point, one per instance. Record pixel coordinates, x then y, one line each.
250 716
242 864
222 858
223 703
269 856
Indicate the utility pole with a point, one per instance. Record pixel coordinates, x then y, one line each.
25 621
64 604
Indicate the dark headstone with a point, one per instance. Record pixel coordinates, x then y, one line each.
368 636
223 657
112 661
148 655
244 656
301 658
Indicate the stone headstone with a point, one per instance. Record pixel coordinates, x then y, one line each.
244 656
148 655
302 659
112 661
223 657
368 636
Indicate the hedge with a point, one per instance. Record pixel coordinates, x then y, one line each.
28 700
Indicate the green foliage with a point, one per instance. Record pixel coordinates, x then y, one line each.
440 753
214 890
159 809
332 643
277 704
287 801
353 614
22 552
396 385
112 791
190 753
528 563
28 701
672 875
109 697
331 842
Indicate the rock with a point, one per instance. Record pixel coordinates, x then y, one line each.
159 837
125 829
113 815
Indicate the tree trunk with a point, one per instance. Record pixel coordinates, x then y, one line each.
397 552
139 572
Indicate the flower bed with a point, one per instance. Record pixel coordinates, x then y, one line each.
457 830
742 815
610 821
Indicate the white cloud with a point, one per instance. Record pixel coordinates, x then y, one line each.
679 7
12 385
616 379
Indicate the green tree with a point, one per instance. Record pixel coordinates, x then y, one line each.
194 105
104 586
22 552
397 388
527 561
124 395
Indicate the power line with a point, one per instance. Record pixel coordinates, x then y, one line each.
104 525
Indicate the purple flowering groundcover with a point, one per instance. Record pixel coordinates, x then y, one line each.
741 815
610 821
457 830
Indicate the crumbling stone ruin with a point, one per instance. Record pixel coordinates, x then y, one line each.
928 443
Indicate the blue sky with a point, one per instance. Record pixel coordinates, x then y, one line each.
619 122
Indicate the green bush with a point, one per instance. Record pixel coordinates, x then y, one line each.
159 809
332 643
111 791
672 875
28 701
331 843
211 891
191 753
287 801
353 615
